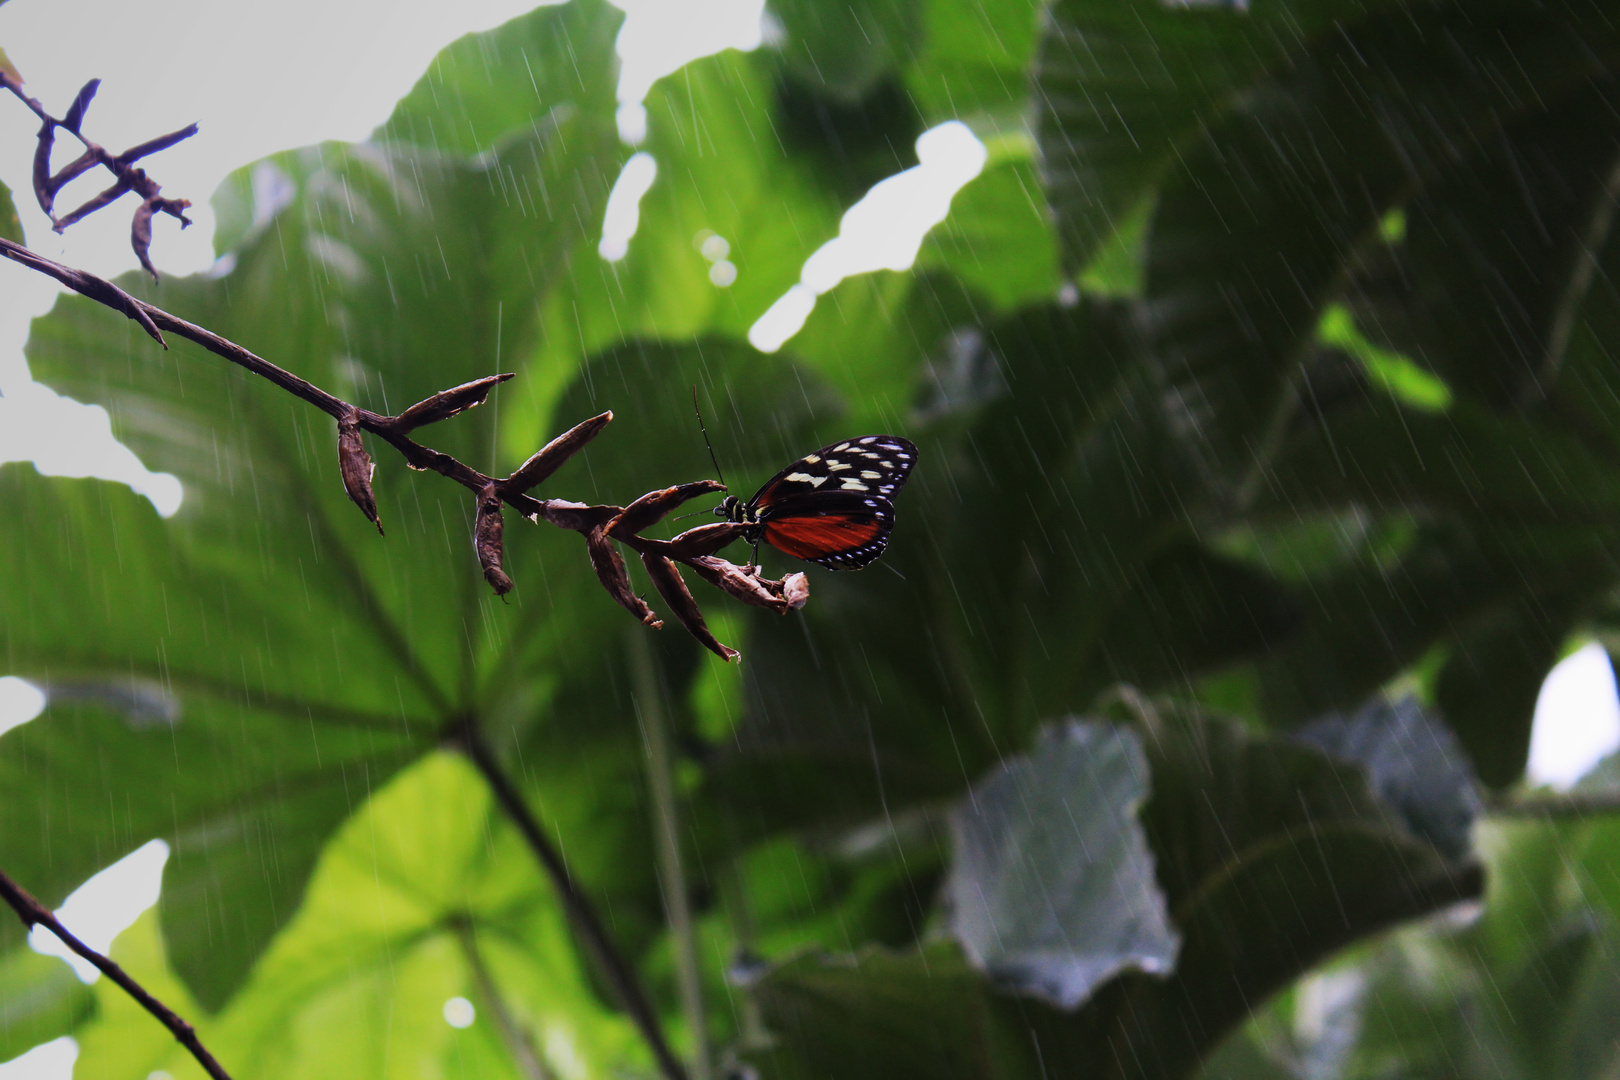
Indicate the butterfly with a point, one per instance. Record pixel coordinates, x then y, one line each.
834 507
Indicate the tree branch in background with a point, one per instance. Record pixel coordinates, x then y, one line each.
33 913
615 970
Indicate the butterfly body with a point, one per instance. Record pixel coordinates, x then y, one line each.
834 507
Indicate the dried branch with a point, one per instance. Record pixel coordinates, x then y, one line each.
33 913
127 176
599 525
615 969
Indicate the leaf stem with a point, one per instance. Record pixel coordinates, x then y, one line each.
33 913
649 702
518 1042
615 969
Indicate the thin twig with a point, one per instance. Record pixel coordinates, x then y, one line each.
33 913
615 969
649 702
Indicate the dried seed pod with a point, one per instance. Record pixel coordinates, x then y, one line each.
667 579
140 237
74 117
706 539
652 506
551 456
446 403
44 192
748 586
355 466
615 577
487 539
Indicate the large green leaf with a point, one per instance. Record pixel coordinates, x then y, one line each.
491 85
1051 891
336 284
423 896
242 765
1125 89
1272 857
1265 213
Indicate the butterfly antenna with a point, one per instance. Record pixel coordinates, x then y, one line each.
706 441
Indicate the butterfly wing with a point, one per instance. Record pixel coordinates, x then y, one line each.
866 465
841 530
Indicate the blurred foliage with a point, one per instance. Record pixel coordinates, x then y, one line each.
1265 373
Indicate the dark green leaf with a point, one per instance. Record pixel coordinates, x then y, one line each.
909 1016
1052 890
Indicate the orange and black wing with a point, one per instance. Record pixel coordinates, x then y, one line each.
836 529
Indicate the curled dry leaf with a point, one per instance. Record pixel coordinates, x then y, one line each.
74 118
667 579
552 455
487 539
446 403
748 586
651 507
356 467
615 577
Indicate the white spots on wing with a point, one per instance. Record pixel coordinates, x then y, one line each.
868 474
812 459
854 485
841 446
837 465
804 478
868 440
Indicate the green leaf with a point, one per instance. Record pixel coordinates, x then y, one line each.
1052 890
1493 264
420 881
490 85
1124 89
998 240
253 771
10 227
841 51
43 1000
336 284
1248 240
972 64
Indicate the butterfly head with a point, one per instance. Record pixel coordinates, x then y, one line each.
731 509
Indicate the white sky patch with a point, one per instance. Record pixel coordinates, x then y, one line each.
623 212
662 36
105 906
20 702
48 1061
1577 718
884 231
